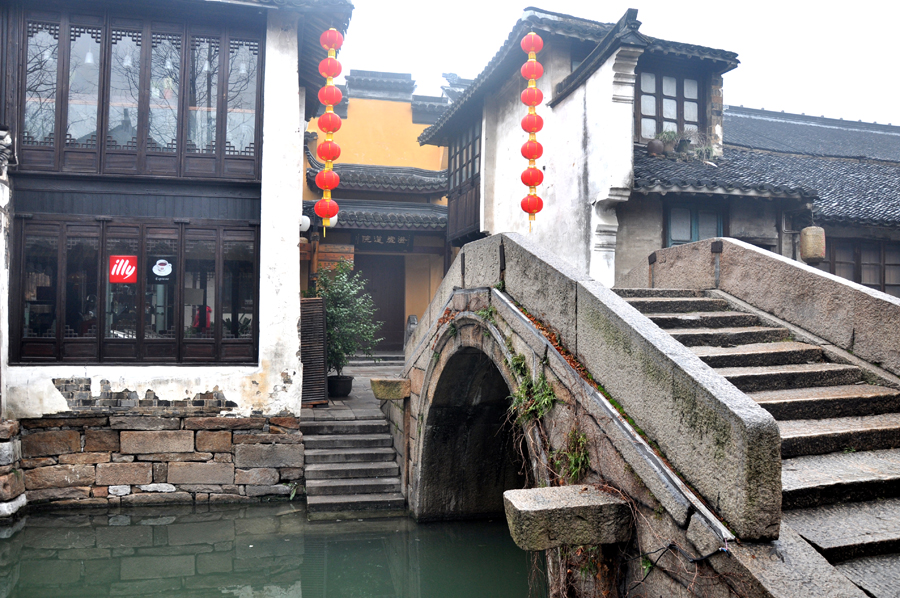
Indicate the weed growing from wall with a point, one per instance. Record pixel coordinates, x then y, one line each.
573 462
532 400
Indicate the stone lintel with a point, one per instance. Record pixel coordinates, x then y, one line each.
543 518
390 389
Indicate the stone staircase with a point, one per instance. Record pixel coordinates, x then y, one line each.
841 464
351 470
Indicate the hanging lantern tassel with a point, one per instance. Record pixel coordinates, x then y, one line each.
531 124
329 123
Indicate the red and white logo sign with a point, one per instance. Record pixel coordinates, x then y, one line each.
123 269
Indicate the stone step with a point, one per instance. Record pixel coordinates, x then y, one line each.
828 401
335 441
350 455
779 377
820 436
348 503
352 486
366 426
704 319
876 575
332 471
669 305
817 480
849 530
758 354
728 337
628 293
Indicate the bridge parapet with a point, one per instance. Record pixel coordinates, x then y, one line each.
722 444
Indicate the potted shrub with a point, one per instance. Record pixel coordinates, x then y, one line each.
668 138
350 325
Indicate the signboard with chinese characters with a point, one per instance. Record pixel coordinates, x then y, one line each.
123 269
383 241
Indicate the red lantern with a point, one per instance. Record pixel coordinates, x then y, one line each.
331 39
330 67
326 208
327 179
328 150
532 96
532 123
532 43
330 95
532 150
532 70
532 177
329 123
532 204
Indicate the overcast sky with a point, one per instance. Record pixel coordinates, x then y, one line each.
796 56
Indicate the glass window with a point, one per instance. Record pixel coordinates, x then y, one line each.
670 109
40 276
669 86
680 225
648 105
690 111
203 91
121 288
159 298
690 89
648 83
708 225
241 118
237 298
84 87
165 75
41 55
648 128
81 315
870 263
199 288
124 90
674 106
687 223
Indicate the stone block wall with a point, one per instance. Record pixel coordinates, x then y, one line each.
119 460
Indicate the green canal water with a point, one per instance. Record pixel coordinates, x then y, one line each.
266 551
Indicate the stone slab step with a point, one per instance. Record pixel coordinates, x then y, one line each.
344 427
350 455
352 486
331 471
704 319
335 441
800 375
820 436
817 480
668 305
850 530
727 337
877 575
828 401
758 354
344 503
627 293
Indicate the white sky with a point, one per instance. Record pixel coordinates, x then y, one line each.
834 59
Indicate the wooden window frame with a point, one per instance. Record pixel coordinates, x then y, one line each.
680 74
218 351
829 265
464 197
695 207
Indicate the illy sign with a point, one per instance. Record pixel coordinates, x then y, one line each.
123 268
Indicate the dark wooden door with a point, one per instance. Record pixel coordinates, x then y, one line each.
386 282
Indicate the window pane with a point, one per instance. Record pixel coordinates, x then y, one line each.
892 275
41 263
690 89
241 127
40 83
202 93
843 252
81 287
669 86
680 225
199 288
237 301
648 128
159 302
648 82
892 290
689 128
84 87
124 90
871 276
121 297
844 270
708 225
648 105
690 111
165 73
870 254
891 254
670 108
670 126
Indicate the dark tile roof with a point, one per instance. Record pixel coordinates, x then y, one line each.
427 109
456 86
842 190
812 135
381 179
380 215
380 85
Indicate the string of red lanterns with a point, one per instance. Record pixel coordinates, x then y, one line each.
531 124
329 123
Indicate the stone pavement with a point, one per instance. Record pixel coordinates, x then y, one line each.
361 404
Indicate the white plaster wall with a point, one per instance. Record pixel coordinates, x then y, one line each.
640 233
4 287
753 218
273 385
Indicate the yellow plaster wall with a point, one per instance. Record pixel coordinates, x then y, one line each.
424 273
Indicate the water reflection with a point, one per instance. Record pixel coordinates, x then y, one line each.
268 551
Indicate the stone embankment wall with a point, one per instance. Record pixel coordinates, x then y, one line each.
113 460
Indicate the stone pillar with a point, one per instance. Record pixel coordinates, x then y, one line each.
282 208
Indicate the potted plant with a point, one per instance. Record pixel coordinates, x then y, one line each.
668 138
350 325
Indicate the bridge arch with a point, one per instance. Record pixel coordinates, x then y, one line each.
465 454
